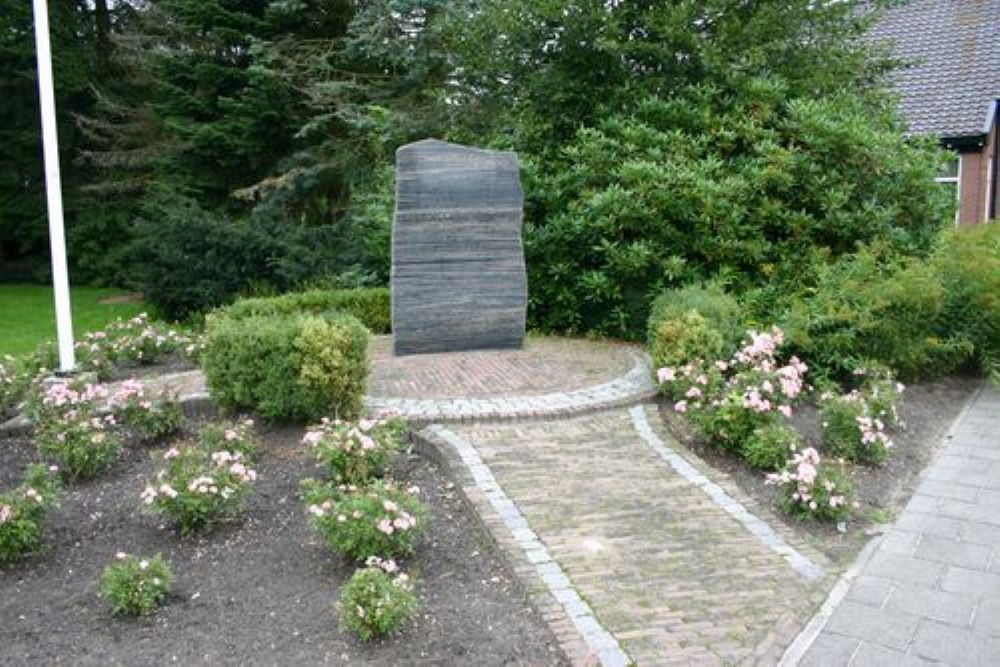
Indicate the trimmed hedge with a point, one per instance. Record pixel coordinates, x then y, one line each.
369 304
287 366
693 322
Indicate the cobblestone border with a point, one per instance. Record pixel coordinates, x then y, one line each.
581 636
636 386
753 524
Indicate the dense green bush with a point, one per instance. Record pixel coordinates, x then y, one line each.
770 445
694 322
968 264
369 304
745 184
23 510
874 305
187 260
287 367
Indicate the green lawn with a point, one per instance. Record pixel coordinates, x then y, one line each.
27 314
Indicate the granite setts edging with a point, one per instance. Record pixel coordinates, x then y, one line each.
634 387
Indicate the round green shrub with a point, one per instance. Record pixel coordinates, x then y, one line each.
694 322
287 367
374 603
369 304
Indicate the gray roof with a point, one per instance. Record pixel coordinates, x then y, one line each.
954 79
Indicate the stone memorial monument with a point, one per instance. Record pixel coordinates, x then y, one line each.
458 275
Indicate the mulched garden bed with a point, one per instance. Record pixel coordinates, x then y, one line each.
257 590
927 411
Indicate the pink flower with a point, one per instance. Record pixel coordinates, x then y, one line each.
693 392
385 525
666 375
6 513
681 406
785 410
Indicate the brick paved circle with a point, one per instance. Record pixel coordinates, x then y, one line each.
549 377
545 365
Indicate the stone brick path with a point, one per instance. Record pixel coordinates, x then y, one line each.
930 592
655 561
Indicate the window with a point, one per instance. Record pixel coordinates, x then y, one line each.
949 178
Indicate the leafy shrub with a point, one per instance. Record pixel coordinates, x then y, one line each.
355 453
770 445
689 336
968 263
149 417
188 260
873 306
22 513
360 522
134 586
850 430
374 603
732 179
287 367
199 484
694 322
812 488
71 429
369 304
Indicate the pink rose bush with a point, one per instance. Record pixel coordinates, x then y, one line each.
355 451
23 510
377 600
15 377
150 417
200 483
73 428
380 519
813 488
135 585
856 425
738 403
236 436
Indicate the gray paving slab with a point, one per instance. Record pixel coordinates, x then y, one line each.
930 593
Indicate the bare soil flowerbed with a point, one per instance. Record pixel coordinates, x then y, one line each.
260 589
926 409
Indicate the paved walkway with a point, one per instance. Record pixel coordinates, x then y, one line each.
632 543
930 593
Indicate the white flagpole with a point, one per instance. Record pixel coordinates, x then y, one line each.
53 188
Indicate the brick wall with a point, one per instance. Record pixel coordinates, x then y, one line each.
973 206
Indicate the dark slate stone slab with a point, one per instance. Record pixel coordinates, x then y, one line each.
458 274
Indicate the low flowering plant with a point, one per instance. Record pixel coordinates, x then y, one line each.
15 377
881 391
813 488
135 585
198 486
355 452
850 430
139 341
234 437
730 400
151 417
22 512
71 429
377 600
380 519
769 446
